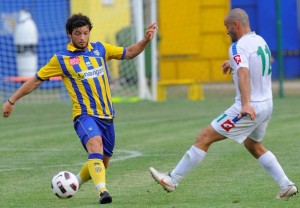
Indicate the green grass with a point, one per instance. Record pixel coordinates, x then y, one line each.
38 141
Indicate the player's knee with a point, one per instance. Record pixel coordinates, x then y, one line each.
94 144
255 148
203 140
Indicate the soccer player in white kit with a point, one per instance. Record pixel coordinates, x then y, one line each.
247 119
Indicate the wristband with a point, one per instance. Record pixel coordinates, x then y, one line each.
10 102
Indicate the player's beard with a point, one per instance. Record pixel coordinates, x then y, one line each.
80 46
233 37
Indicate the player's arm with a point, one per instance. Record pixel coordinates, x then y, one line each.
135 49
29 86
245 90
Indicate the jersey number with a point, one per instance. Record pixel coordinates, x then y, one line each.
262 53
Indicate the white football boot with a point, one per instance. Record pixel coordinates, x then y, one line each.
288 192
163 179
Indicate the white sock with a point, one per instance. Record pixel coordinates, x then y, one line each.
191 159
272 166
79 179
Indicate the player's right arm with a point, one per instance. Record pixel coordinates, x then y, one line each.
51 69
29 86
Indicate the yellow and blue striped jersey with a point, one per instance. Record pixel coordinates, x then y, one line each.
85 75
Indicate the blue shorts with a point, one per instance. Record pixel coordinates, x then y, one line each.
87 127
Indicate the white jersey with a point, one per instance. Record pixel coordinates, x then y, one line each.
252 52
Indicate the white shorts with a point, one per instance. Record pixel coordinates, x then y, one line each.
229 126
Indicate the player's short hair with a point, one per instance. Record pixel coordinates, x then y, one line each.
76 21
240 15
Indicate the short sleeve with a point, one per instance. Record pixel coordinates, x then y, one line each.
238 57
114 52
51 69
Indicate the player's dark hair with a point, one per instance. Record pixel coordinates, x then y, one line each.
76 21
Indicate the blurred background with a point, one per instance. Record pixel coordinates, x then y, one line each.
184 61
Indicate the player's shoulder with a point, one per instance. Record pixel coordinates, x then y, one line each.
63 52
248 42
96 43
101 45
251 37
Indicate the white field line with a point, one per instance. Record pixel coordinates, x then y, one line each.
128 155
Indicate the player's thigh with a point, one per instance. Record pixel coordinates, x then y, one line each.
264 113
206 137
259 132
86 129
94 145
108 136
230 126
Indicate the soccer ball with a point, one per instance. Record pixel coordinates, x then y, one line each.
64 184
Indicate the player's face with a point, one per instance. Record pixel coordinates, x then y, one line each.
80 37
230 28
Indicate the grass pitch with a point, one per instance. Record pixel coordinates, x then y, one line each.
38 141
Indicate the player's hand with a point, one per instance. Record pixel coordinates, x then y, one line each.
248 110
7 109
226 66
149 33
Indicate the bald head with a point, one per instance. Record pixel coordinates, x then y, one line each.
237 24
238 15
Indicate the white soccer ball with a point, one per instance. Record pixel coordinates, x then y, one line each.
64 184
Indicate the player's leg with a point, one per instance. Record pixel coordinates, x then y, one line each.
108 142
190 160
266 158
84 174
106 160
269 162
90 135
95 162
195 155
224 126
96 167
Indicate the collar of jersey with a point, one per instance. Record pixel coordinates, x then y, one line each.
72 48
250 33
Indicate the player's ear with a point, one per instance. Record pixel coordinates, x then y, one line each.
236 24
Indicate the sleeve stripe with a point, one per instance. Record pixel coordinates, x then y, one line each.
36 76
124 54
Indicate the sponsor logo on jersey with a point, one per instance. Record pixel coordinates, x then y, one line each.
74 61
89 74
227 125
96 52
237 59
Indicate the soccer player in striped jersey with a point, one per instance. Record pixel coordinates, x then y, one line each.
247 119
83 69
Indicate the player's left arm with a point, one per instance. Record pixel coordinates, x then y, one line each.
226 66
245 91
135 49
